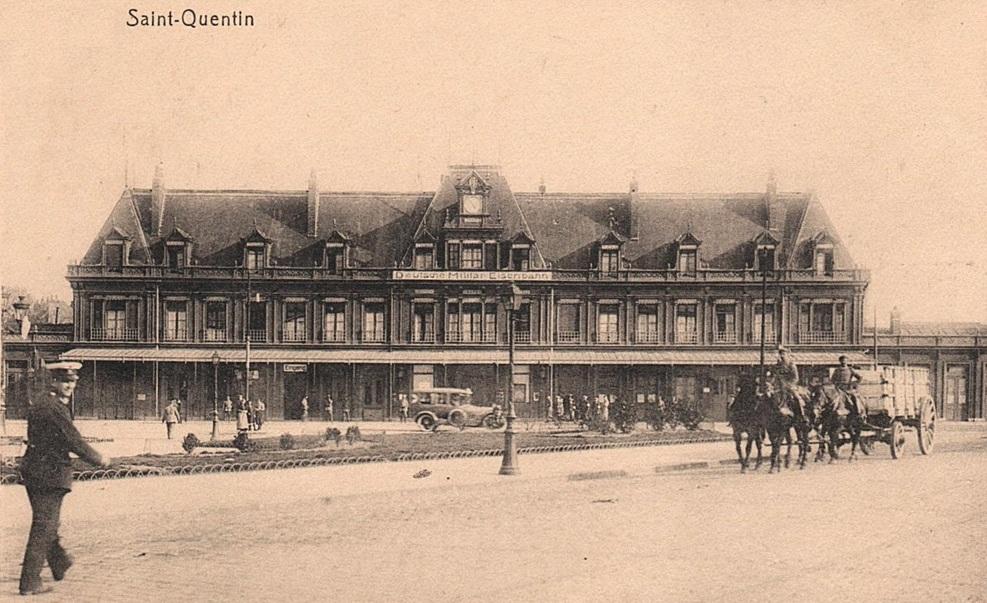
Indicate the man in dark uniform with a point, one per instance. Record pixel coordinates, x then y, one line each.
46 471
845 378
786 375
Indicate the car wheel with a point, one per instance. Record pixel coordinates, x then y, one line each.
426 422
457 418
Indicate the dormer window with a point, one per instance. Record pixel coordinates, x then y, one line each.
608 254
335 258
609 258
424 256
764 252
256 250
337 252
175 255
688 253
254 257
177 247
520 258
116 248
822 254
113 255
519 252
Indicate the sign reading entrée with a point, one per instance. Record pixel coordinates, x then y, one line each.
471 275
295 368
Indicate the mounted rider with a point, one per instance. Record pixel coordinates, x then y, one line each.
845 378
786 378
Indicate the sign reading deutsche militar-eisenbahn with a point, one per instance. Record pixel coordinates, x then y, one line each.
472 275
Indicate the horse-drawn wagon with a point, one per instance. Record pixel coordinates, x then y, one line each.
894 400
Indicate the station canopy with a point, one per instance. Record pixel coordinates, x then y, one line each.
457 356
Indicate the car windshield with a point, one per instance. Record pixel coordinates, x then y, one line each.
454 398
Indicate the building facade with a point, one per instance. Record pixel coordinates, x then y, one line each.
364 295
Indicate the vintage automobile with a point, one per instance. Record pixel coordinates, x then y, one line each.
434 406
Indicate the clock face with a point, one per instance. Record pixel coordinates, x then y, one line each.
472 204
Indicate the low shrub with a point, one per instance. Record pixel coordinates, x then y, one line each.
190 442
333 434
353 434
243 443
287 441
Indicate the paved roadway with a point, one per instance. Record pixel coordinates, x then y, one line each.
912 530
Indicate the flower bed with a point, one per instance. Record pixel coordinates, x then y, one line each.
315 450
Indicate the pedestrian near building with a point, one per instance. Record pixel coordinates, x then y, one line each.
403 399
304 408
259 410
346 410
46 471
241 414
170 416
227 408
329 408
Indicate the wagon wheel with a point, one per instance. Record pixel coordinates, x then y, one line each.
896 439
927 426
457 418
426 422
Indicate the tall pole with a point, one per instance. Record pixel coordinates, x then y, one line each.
215 396
246 330
509 464
875 335
764 301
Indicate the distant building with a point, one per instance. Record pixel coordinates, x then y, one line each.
362 295
955 354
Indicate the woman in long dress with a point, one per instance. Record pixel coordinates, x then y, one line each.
242 421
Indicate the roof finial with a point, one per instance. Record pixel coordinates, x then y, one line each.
633 183
772 183
611 218
541 185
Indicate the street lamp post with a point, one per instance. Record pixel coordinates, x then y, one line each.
762 261
21 308
215 395
513 303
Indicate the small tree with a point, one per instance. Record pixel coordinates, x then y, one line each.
287 441
190 442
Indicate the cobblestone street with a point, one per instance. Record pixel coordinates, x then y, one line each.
909 530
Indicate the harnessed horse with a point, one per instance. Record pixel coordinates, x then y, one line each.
745 417
785 411
838 415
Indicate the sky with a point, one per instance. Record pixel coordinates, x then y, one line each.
877 107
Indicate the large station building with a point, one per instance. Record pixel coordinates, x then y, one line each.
366 295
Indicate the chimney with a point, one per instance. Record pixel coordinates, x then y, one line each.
313 206
635 232
774 213
895 321
157 201
541 186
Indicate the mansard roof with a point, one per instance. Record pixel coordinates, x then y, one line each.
564 228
